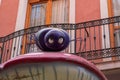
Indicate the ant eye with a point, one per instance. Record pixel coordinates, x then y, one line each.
51 40
60 41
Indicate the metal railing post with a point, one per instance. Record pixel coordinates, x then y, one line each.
75 39
2 48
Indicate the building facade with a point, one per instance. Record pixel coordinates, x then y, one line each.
19 15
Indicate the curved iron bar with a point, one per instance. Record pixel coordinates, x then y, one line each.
66 26
35 29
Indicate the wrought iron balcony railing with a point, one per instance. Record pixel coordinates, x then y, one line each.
91 40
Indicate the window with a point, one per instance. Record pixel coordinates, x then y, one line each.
117 38
38 14
114 10
59 11
116 7
42 12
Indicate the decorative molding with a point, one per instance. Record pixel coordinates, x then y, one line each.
0 2
72 20
108 65
104 14
20 22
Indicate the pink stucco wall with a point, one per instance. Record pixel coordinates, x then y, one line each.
87 10
8 15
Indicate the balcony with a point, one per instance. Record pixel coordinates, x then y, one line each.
93 40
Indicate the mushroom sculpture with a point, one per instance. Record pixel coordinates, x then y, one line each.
50 64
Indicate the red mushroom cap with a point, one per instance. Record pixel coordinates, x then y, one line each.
52 57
